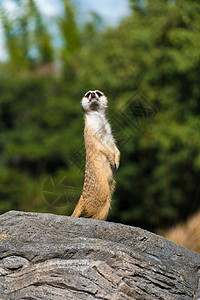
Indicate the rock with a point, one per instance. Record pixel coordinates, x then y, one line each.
15 262
44 256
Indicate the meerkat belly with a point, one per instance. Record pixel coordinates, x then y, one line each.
105 168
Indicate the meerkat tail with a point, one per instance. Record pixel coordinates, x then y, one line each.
78 210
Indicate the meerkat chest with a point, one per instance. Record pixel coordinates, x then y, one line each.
100 127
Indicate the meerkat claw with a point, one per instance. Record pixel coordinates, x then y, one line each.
114 167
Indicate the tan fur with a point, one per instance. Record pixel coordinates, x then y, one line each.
102 157
187 234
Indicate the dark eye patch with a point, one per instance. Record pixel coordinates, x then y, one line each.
99 94
87 95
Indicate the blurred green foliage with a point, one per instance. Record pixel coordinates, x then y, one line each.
148 67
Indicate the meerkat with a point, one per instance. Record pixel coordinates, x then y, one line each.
102 159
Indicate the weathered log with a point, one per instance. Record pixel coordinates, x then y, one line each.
44 256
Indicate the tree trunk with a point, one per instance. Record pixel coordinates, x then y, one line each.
44 256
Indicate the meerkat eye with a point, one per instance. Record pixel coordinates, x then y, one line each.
87 95
99 94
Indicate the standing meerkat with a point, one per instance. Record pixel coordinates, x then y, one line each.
102 159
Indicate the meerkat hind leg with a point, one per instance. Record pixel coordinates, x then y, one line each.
81 211
102 214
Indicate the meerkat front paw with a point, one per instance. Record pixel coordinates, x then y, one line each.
112 161
117 159
115 162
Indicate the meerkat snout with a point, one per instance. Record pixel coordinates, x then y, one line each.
93 95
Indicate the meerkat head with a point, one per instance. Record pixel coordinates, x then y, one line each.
94 101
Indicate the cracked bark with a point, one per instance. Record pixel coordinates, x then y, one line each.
44 256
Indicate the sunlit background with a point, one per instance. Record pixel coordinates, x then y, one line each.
145 56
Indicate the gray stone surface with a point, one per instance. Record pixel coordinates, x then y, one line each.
44 256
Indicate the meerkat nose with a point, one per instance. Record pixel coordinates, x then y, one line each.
93 95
